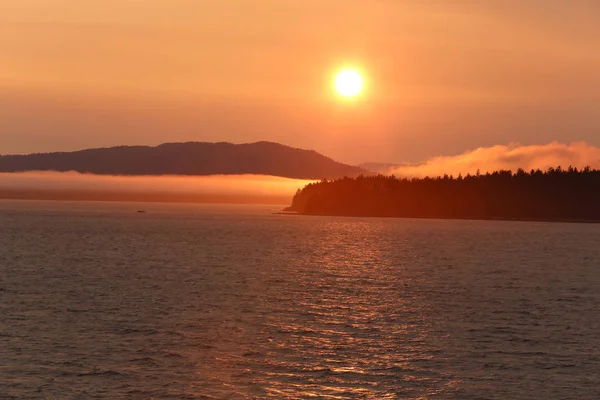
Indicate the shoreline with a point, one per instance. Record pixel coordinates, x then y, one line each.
556 220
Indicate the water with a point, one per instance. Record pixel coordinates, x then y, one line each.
233 302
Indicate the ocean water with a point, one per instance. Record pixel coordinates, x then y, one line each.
100 301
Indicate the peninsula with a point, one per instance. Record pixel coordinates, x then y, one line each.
553 195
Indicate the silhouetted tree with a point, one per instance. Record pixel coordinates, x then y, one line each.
556 194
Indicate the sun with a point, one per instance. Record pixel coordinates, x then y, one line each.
349 83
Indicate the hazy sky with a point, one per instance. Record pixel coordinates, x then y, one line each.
442 76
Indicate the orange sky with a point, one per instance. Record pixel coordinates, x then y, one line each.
442 76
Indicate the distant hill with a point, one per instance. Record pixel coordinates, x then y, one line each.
192 158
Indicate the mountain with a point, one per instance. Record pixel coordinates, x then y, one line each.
192 158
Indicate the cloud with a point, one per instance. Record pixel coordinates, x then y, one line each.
507 157
190 187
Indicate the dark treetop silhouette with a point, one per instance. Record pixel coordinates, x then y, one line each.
556 194
194 158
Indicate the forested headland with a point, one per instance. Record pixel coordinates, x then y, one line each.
553 195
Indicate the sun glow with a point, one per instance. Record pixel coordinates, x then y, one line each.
349 83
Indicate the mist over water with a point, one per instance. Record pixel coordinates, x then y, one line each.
483 159
230 185
505 157
233 302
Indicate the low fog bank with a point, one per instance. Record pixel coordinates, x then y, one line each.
505 157
214 188
278 190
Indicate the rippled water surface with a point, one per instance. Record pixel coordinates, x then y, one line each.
100 301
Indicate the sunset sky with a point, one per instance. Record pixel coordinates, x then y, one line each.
441 77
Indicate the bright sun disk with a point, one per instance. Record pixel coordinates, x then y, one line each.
348 83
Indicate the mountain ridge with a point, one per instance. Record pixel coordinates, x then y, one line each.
187 158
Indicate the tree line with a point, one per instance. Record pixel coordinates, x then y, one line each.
555 194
